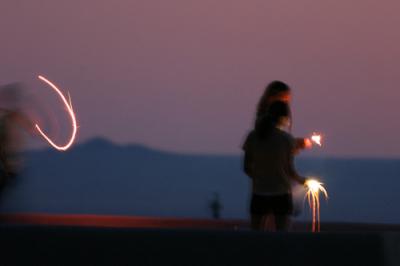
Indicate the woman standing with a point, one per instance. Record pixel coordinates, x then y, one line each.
269 162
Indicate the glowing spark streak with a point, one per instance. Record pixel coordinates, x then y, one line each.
70 110
317 139
314 189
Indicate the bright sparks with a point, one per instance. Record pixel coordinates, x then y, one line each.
316 138
314 188
70 110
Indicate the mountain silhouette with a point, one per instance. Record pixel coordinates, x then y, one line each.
101 177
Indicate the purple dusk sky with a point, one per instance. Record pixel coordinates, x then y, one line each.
185 75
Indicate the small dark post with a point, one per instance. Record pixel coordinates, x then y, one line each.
216 206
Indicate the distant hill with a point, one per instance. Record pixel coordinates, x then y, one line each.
100 177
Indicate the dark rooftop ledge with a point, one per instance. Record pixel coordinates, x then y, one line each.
39 239
115 221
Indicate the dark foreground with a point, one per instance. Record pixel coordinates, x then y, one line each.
23 244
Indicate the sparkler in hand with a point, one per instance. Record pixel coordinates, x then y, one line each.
316 138
314 188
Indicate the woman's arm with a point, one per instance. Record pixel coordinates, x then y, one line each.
291 167
301 144
247 164
295 176
247 160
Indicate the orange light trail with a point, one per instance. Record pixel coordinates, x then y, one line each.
71 112
314 188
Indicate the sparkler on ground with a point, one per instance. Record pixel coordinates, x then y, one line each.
314 188
71 112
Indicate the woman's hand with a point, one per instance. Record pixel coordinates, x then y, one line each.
308 143
300 179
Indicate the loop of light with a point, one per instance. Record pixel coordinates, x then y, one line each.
70 110
314 188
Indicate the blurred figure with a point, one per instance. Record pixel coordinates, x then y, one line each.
216 206
13 122
269 162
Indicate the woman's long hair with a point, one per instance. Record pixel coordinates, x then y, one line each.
272 90
265 124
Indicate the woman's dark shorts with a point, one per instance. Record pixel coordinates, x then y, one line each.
276 204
